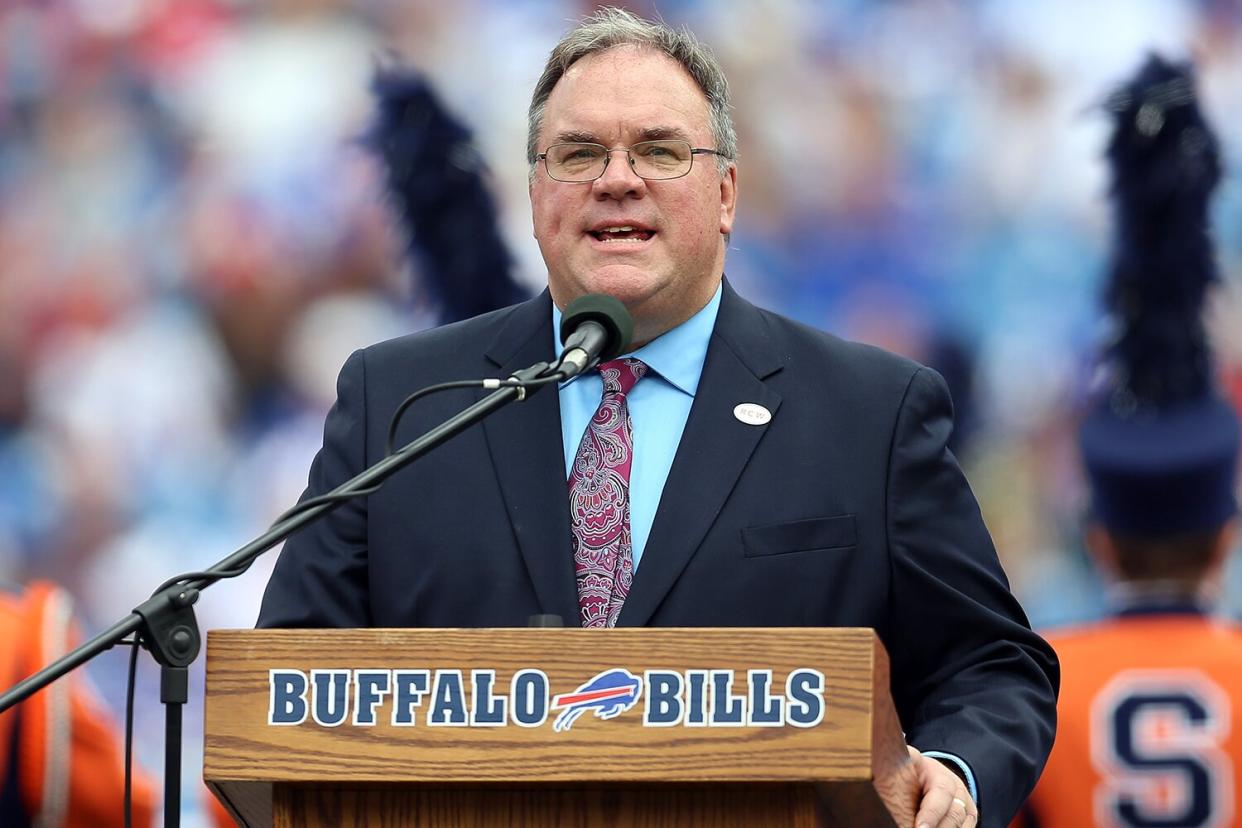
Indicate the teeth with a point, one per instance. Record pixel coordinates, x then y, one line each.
604 232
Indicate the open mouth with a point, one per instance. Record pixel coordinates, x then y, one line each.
622 233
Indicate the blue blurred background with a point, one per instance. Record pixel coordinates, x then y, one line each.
192 240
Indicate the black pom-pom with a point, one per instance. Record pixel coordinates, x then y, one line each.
1165 164
436 176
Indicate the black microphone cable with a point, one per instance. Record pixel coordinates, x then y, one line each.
129 732
547 375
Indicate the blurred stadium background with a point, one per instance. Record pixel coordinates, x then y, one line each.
192 240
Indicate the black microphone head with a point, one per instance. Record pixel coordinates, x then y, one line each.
609 313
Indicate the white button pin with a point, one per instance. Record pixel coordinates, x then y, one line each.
752 414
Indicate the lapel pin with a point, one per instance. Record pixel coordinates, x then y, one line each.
752 414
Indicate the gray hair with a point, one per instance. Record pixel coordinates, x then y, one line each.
610 27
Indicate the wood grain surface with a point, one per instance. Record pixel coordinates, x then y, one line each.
858 741
711 806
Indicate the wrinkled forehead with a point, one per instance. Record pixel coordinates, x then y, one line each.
626 93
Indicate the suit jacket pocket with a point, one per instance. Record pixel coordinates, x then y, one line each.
835 532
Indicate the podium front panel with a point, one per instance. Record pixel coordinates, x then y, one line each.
507 709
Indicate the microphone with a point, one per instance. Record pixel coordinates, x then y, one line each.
594 328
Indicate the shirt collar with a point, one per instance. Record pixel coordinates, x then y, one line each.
678 355
1130 600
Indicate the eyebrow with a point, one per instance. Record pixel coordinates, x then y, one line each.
664 133
575 138
656 133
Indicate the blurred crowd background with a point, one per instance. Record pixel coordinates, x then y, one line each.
192 240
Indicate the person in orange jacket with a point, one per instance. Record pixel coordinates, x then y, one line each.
60 751
1150 713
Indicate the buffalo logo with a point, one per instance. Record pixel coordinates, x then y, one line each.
609 694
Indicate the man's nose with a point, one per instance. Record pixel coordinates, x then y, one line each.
619 179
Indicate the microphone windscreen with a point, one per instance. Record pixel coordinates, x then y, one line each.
608 312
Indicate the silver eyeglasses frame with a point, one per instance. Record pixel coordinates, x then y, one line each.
608 151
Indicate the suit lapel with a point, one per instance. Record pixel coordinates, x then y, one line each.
524 439
715 447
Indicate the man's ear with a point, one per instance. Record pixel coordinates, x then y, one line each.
1102 550
1226 540
530 194
728 199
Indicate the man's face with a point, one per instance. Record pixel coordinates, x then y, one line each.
667 269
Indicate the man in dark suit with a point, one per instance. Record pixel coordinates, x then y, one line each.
740 469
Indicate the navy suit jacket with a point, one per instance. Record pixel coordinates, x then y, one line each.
846 509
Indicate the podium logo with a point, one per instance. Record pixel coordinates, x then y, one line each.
446 698
609 694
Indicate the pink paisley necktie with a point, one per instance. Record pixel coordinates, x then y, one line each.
599 499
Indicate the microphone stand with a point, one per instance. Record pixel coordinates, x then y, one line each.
165 623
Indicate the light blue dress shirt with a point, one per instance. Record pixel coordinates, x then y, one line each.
659 406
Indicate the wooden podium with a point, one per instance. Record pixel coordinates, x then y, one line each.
555 727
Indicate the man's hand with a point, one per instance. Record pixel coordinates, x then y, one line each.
944 800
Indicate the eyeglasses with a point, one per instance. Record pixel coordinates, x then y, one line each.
651 160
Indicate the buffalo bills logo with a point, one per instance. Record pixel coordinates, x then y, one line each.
609 694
